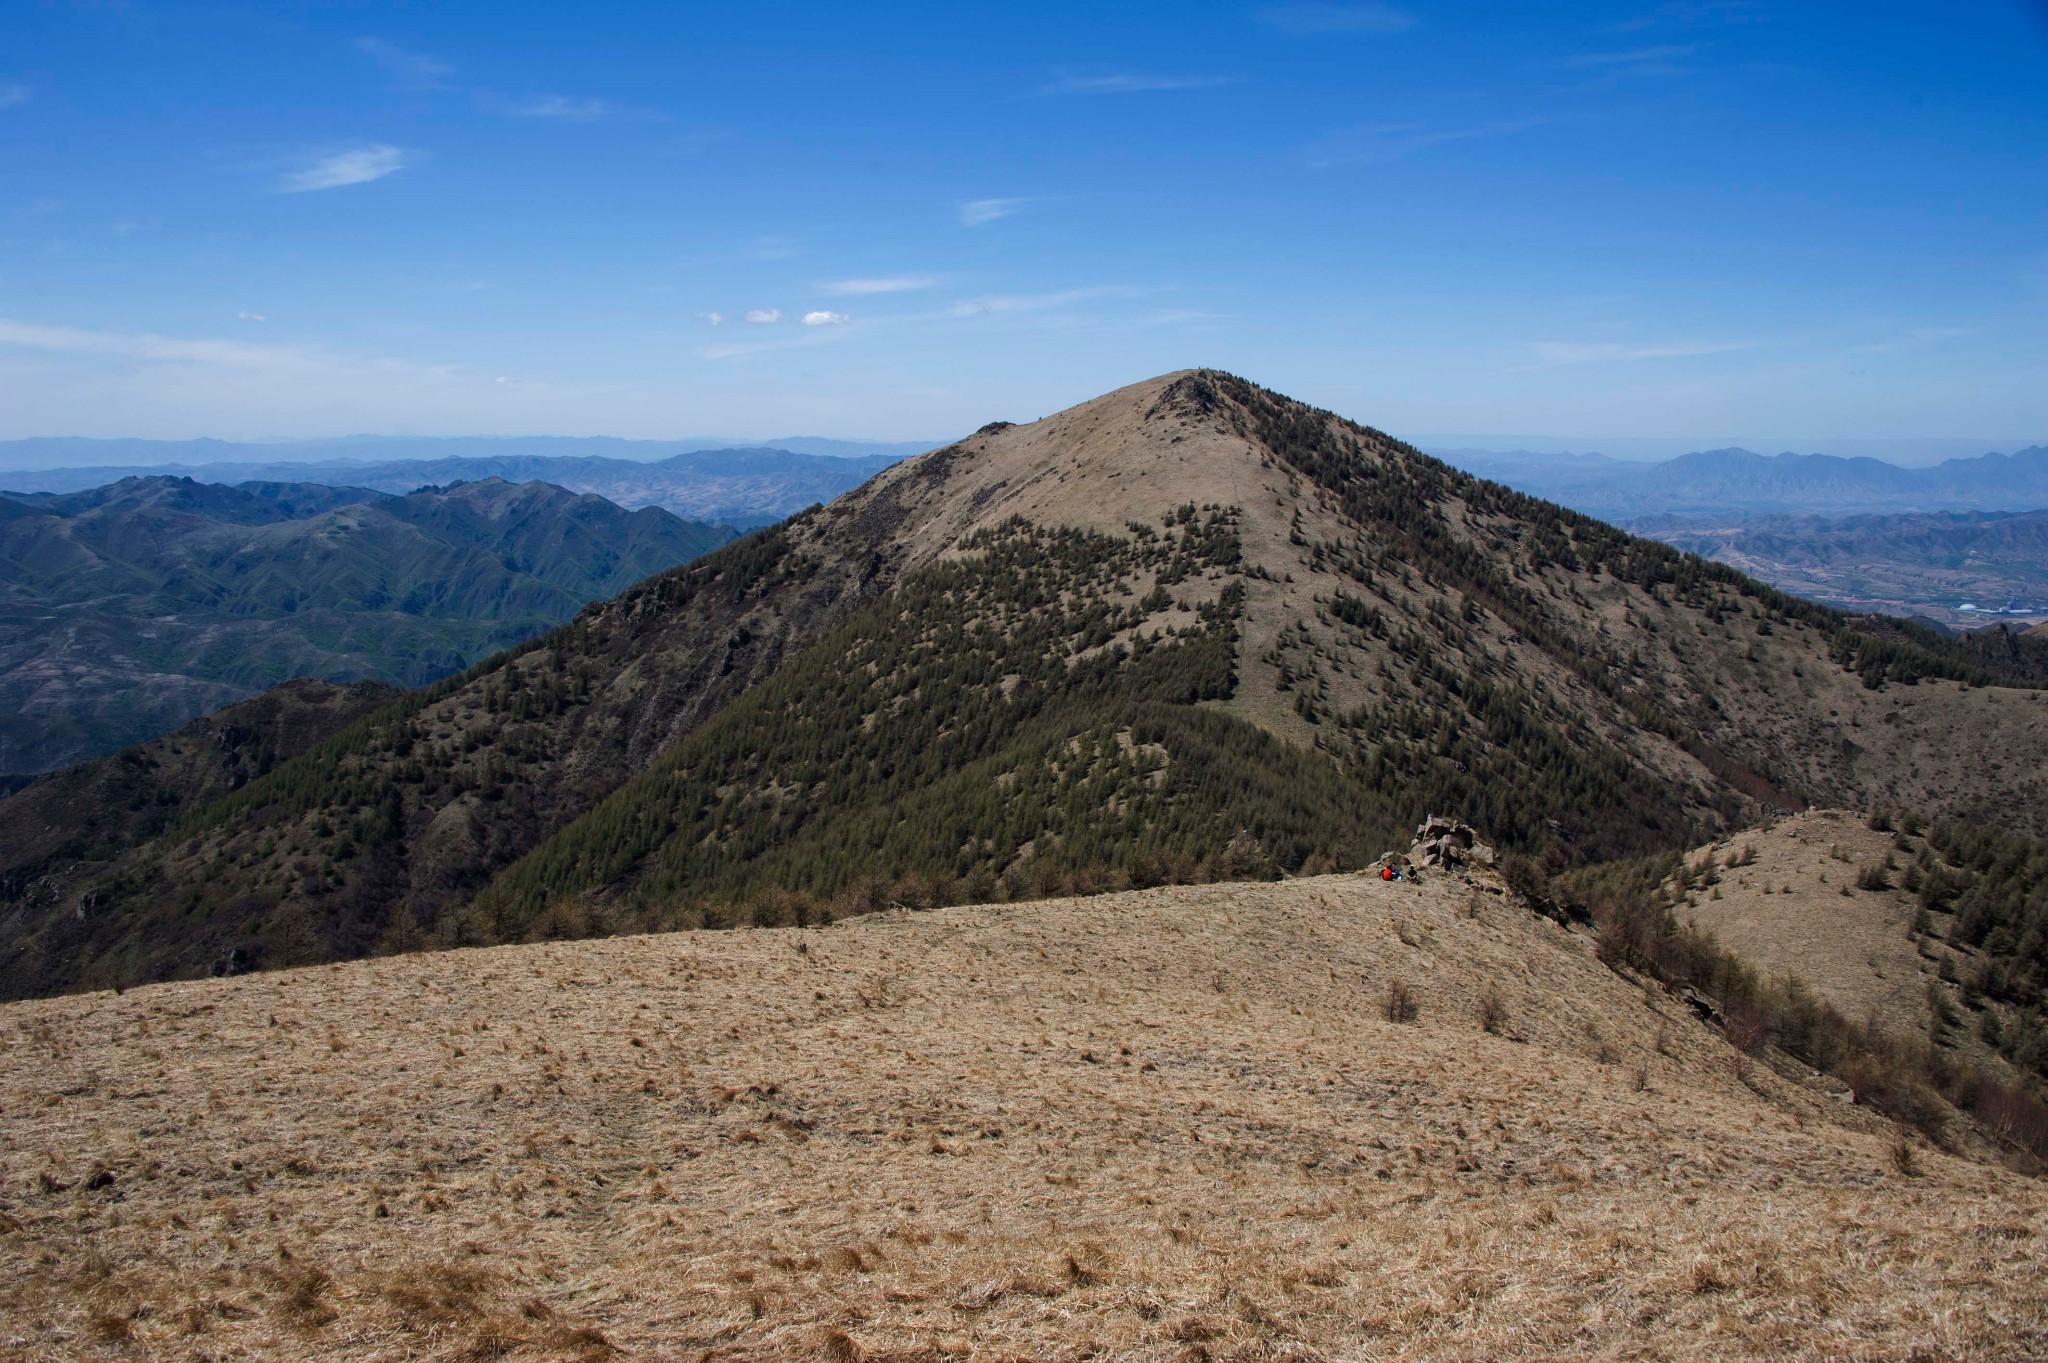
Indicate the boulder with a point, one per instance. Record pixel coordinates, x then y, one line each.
1446 842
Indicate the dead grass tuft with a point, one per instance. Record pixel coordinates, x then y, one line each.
301 1300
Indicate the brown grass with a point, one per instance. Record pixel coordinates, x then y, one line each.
1051 1135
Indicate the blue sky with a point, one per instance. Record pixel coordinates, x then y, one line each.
1691 220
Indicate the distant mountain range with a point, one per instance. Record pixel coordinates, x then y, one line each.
1739 482
736 488
70 451
129 609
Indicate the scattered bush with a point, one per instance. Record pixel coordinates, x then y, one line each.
1492 1010
1400 1005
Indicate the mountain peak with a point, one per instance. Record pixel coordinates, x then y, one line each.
1190 628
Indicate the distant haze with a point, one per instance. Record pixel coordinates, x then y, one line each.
71 452
1905 452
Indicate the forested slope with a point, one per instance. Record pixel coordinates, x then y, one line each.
1190 629
129 609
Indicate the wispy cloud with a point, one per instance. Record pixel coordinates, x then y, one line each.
764 316
13 92
1129 83
1058 308
561 108
245 315
981 212
1390 141
1639 60
1309 18
861 288
1035 302
413 70
1912 340
146 346
355 167
711 319
1691 14
1551 354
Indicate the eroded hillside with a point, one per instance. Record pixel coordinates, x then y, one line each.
1160 1124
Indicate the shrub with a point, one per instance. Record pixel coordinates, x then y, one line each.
1493 1010
1873 878
1400 1005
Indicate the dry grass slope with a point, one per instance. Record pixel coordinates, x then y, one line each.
1176 1123
1794 906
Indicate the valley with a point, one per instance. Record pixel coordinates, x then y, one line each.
1961 571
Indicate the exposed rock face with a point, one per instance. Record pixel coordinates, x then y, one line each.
1445 842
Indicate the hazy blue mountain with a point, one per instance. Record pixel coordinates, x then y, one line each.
129 609
740 487
1740 482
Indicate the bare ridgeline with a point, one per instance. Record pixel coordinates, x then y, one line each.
1197 655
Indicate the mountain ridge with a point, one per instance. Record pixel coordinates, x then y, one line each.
127 610
1115 616
1740 481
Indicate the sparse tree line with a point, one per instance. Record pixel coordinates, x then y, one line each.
1994 885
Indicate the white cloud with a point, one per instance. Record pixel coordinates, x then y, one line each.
561 108
861 288
248 316
413 69
1550 353
764 316
356 167
715 319
980 212
1303 20
823 328
13 92
1388 141
1129 83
